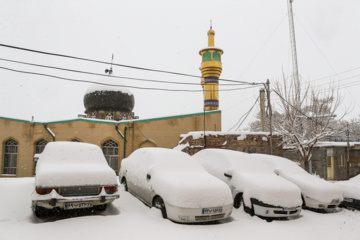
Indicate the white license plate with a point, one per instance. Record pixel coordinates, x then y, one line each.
212 210
77 205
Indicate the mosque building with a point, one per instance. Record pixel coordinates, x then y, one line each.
110 123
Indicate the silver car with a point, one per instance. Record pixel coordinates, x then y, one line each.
173 182
317 194
252 184
72 175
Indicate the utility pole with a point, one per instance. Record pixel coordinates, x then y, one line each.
270 114
262 109
294 54
348 152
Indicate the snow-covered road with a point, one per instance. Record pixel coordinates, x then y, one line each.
128 218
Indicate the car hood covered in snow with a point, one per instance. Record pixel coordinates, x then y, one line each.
250 176
312 186
73 164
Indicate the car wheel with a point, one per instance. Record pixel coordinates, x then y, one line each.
40 212
124 183
237 200
159 203
101 208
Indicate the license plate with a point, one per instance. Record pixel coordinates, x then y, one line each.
212 210
77 205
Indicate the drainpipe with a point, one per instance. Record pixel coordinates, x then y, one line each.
49 131
123 136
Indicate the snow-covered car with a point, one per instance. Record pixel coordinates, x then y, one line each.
171 181
351 192
317 194
73 175
252 183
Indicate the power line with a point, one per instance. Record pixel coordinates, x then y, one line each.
112 76
114 64
115 85
245 115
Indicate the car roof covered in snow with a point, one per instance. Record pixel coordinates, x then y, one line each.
73 164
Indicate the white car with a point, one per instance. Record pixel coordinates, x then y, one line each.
317 194
171 181
72 175
351 192
252 183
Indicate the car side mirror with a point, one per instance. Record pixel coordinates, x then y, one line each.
148 177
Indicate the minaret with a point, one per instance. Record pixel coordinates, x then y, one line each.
211 68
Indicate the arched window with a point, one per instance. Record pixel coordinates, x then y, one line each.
111 152
216 56
10 157
207 56
40 145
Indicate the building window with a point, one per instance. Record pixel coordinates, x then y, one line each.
111 152
39 148
10 157
40 145
207 56
216 56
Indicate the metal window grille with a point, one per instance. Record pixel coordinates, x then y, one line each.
111 152
10 157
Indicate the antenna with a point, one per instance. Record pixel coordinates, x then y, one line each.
210 24
110 70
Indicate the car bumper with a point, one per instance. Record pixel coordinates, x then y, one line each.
62 202
350 203
276 212
192 215
315 204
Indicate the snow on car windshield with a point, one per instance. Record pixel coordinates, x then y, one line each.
73 164
250 176
312 186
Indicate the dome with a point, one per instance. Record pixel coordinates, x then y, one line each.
108 98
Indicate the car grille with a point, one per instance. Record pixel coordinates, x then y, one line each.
79 191
210 217
285 212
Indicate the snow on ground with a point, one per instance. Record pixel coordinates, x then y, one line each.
128 218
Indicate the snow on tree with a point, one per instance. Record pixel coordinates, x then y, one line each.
305 116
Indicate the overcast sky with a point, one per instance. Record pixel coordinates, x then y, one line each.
167 35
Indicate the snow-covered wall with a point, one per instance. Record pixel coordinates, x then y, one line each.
250 142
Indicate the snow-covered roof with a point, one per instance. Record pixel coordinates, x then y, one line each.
110 81
250 176
73 164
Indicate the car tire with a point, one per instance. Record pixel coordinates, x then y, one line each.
40 212
159 203
237 200
124 183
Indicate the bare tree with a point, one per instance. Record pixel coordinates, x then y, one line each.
307 116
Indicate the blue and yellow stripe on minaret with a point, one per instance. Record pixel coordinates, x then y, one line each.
211 68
